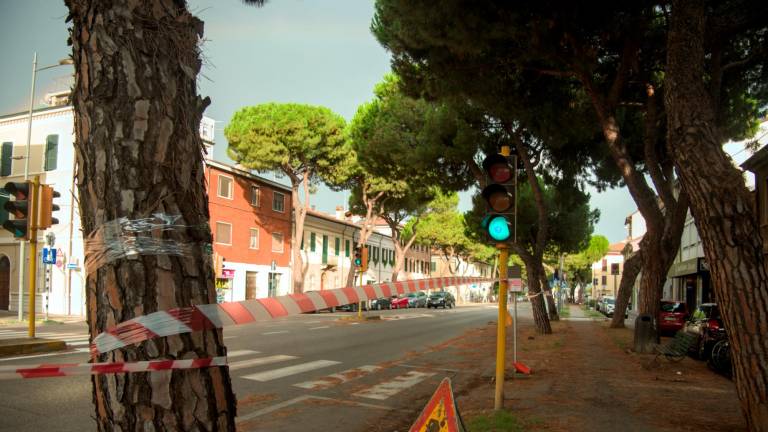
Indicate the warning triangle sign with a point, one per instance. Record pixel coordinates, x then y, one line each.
440 414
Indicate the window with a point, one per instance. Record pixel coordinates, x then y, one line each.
277 242
278 202
605 265
433 267
325 249
225 187
605 280
6 161
312 242
255 195
337 246
51 151
346 248
224 233
254 243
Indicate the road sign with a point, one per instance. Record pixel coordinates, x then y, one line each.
228 274
440 414
72 266
515 285
49 256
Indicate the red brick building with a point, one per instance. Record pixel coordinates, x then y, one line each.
250 219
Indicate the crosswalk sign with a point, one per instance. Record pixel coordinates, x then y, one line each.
49 256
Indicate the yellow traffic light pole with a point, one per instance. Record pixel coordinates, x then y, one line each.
501 328
33 221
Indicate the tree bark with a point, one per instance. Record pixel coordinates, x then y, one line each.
137 118
299 216
722 208
536 296
551 305
632 267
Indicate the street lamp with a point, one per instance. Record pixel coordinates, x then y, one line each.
22 245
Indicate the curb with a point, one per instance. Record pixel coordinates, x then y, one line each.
30 346
364 318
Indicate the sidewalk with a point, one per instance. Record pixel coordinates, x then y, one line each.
11 318
14 340
585 379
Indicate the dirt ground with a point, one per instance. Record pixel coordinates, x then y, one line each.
586 379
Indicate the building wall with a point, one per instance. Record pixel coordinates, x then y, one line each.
457 266
605 283
232 207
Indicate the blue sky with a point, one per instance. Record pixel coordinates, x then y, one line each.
315 52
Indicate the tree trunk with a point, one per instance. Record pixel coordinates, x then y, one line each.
137 118
722 208
299 216
551 306
540 318
632 267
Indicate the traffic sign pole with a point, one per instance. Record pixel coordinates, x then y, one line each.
501 328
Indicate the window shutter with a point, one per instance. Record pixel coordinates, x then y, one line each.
7 162
51 152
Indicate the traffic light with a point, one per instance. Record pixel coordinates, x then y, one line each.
499 197
19 207
358 257
47 207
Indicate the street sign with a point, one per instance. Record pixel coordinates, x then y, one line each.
228 274
72 266
441 413
49 256
515 285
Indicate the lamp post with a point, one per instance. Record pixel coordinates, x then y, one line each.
22 245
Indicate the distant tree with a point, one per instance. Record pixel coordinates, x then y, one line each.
443 229
579 264
305 142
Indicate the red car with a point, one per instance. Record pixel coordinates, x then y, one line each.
672 316
400 302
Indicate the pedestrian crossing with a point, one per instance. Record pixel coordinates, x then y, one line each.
72 339
371 381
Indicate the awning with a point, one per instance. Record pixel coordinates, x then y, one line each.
688 267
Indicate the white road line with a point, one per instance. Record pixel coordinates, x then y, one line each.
78 343
238 353
299 399
275 332
290 370
259 361
318 328
312 322
396 385
339 378
77 351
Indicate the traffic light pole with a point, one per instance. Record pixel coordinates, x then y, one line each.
360 302
501 328
33 216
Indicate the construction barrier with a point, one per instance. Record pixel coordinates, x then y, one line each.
67 369
214 316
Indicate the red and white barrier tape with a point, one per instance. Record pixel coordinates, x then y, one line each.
67 369
211 316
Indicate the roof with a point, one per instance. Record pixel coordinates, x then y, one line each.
331 218
237 171
617 247
757 160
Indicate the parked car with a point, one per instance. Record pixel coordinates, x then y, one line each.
442 299
706 325
417 299
399 302
382 303
607 305
672 316
352 307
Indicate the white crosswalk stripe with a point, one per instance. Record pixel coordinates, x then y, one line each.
338 378
72 339
290 370
259 361
394 386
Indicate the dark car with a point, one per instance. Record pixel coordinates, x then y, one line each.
441 299
417 299
381 303
706 325
672 316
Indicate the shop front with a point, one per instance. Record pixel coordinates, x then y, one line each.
691 282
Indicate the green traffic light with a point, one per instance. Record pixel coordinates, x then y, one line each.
498 228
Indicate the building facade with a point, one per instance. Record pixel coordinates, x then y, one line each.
250 220
606 273
442 266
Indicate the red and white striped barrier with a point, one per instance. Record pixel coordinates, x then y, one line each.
67 369
211 316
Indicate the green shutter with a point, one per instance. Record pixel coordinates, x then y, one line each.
433 266
312 242
325 249
346 248
51 152
337 247
6 162
3 212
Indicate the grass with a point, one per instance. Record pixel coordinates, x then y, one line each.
592 313
566 312
497 421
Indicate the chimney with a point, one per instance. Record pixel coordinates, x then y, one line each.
340 212
60 98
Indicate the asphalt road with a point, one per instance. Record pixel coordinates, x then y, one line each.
307 372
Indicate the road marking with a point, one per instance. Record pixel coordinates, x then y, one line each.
77 343
405 317
290 370
238 353
312 322
339 378
318 328
354 323
275 332
428 367
396 385
259 361
299 399
76 351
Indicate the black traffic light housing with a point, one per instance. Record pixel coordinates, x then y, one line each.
19 207
499 196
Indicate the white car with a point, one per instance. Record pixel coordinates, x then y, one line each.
608 304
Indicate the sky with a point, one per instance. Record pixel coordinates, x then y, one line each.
314 52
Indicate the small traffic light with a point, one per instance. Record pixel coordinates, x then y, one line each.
498 196
364 259
47 207
358 257
19 208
